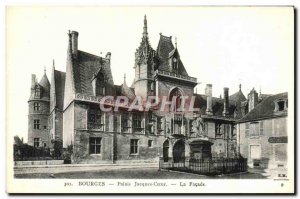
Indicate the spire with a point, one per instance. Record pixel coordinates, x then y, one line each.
145 33
259 90
53 63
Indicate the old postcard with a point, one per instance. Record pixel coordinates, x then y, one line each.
190 100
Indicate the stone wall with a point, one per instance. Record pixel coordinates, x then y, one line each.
42 114
68 126
276 127
81 152
115 147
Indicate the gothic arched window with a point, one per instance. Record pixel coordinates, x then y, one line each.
100 85
175 97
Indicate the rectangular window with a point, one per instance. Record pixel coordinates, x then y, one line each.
150 143
36 142
137 120
134 146
261 127
116 123
159 123
36 106
37 92
95 145
96 119
254 129
36 124
125 122
247 129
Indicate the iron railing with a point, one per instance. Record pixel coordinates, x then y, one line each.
214 166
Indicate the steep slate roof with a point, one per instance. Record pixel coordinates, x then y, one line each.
59 78
124 90
262 97
265 109
165 49
85 66
238 96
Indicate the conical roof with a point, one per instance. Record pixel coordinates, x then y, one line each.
45 82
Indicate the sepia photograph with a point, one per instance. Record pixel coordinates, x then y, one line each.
132 99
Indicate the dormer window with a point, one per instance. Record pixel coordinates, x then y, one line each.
175 64
281 105
37 92
100 85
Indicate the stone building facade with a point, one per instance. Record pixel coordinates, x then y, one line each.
262 133
123 135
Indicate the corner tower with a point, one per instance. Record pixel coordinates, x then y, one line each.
38 112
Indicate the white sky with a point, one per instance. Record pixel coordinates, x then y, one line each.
219 45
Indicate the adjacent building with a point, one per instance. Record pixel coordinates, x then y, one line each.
262 133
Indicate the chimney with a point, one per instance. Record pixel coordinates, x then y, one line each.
33 80
226 102
74 38
208 93
108 55
252 99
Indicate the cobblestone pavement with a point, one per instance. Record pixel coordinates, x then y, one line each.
127 173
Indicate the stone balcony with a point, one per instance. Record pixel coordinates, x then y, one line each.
176 76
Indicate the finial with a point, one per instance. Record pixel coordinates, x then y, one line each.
45 69
176 42
145 33
240 86
124 77
53 63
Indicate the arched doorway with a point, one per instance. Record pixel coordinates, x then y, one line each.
179 151
166 151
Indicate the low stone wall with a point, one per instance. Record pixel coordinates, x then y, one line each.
39 162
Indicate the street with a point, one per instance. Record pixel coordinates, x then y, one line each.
125 173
